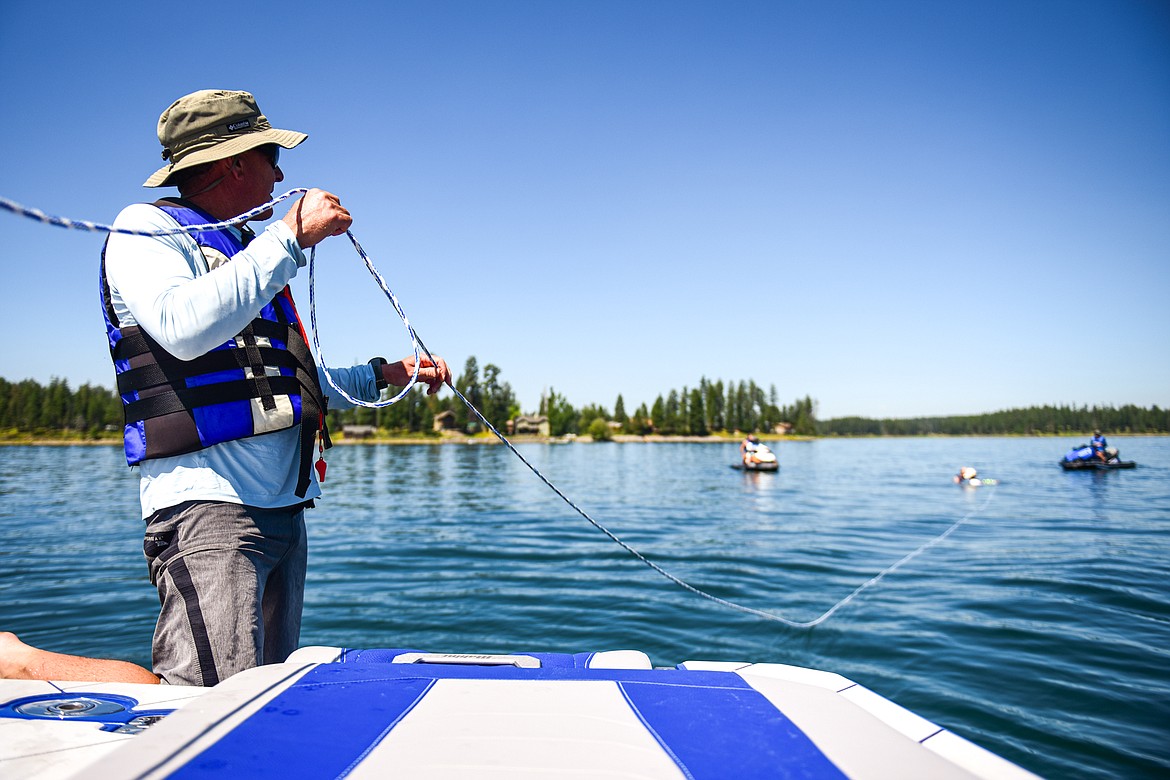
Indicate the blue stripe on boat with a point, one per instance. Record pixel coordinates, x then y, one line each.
713 724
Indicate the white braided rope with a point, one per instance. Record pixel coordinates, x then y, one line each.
97 227
393 302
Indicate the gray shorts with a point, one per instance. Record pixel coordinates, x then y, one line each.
231 582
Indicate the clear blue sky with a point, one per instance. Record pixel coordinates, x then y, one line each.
898 208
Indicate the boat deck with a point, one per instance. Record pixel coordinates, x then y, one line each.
329 713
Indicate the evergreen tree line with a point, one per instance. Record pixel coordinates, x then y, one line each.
30 407
1068 420
27 407
416 411
712 407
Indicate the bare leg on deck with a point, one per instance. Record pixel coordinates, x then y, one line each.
19 661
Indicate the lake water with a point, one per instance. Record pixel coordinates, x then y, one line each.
1040 628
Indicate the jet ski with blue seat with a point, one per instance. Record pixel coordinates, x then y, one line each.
1086 458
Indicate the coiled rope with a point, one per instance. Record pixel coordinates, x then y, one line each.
414 340
419 347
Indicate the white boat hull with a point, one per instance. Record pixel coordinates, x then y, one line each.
328 712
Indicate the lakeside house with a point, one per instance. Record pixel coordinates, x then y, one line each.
444 421
529 424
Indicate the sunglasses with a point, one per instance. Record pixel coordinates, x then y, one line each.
271 152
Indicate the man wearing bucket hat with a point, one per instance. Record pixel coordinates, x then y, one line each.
223 402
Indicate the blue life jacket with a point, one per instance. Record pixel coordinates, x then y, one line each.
173 406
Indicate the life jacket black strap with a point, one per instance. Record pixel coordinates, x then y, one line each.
172 371
308 436
256 364
205 395
135 342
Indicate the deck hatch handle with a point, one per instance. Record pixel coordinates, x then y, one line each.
469 659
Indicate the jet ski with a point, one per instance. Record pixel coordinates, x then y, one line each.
759 459
1083 458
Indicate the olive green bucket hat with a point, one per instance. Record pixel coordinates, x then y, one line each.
212 124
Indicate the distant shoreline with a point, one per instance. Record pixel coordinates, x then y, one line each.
489 440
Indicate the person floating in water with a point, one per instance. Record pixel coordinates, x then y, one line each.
969 476
965 475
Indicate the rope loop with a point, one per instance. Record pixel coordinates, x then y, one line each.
414 342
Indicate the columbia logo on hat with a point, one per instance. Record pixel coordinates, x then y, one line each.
237 125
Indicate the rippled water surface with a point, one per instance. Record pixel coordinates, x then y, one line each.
1039 628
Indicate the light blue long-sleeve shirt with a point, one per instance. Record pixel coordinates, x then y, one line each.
191 304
